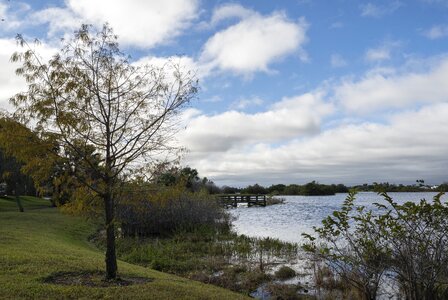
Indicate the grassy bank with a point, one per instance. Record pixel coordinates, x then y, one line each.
42 242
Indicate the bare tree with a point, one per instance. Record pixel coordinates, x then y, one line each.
90 94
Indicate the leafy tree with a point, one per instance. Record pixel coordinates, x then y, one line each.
230 190
313 188
210 186
17 183
36 155
340 188
277 189
186 176
71 170
292 189
90 95
443 187
254 189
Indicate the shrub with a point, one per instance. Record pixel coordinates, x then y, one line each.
285 272
238 279
168 210
407 242
417 236
274 200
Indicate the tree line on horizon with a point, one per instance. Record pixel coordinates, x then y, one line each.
314 188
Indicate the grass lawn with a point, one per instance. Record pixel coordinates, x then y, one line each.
41 242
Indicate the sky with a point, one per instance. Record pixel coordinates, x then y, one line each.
341 91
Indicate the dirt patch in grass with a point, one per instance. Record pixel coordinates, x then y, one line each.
92 279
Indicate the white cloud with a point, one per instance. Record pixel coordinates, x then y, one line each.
409 146
10 83
137 23
337 61
436 32
3 9
12 15
59 20
377 54
185 63
213 99
230 10
377 11
383 52
254 43
289 118
245 103
381 91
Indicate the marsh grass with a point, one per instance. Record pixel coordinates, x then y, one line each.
285 291
210 255
331 286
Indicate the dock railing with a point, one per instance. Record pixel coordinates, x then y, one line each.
234 199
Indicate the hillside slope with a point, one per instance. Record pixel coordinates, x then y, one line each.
41 242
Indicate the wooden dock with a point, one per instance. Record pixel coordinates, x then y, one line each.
234 199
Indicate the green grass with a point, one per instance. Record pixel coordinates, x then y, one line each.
29 203
41 241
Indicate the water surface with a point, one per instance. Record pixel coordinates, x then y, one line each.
300 213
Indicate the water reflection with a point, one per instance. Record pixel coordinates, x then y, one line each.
300 213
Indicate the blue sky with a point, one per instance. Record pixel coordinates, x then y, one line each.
291 91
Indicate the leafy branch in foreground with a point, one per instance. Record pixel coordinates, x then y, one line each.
406 244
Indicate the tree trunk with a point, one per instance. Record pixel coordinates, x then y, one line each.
111 259
19 203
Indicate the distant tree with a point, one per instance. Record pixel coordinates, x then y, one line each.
210 186
313 188
254 189
187 176
443 187
277 189
230 190
292 189
340 188
90 95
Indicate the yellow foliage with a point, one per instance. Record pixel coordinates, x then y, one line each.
84 202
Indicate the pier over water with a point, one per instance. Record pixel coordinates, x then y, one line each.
233 200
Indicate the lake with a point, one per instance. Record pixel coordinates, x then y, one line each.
300 213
